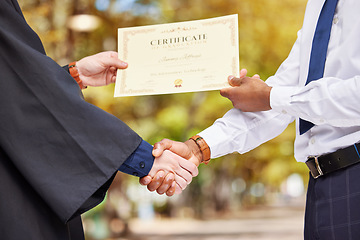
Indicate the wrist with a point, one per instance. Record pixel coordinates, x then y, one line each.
195 150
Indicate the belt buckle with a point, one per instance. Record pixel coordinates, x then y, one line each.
319 172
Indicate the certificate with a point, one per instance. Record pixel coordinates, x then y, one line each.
178 57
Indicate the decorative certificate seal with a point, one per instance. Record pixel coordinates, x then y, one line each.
178 83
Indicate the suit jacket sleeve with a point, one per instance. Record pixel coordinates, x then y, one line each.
67 149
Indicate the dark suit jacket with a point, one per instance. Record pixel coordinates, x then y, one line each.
58 153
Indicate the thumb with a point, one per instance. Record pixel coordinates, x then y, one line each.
160 147
233 81
145 180
178 148
111 60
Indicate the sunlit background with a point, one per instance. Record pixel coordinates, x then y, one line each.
229 186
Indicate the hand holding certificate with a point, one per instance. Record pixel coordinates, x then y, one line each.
178 57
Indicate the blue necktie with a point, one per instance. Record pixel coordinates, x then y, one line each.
319 49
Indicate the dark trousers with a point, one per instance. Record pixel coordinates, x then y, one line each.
333 206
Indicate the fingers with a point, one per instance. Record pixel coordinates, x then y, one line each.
185 175
183 169
256 76
189 167
172 190
178 189
171 184
145 180
168 185
234 81
161 185
168 159
182 177
112 74
181 182
156 181
243 73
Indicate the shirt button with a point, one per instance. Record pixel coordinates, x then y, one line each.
284 111
142 164
335 20
312 141
135 174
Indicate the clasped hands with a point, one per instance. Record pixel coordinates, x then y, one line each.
184 159
249 94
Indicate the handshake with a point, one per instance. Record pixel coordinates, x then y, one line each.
174 166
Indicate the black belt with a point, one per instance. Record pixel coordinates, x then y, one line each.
327 163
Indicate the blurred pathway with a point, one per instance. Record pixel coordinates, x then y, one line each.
262 223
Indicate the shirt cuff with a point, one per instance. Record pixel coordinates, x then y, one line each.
140 161
280 99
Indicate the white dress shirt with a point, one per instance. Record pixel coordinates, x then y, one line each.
331 103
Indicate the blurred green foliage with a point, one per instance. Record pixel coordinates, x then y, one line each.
267 30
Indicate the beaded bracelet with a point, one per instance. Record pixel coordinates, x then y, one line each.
75 74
